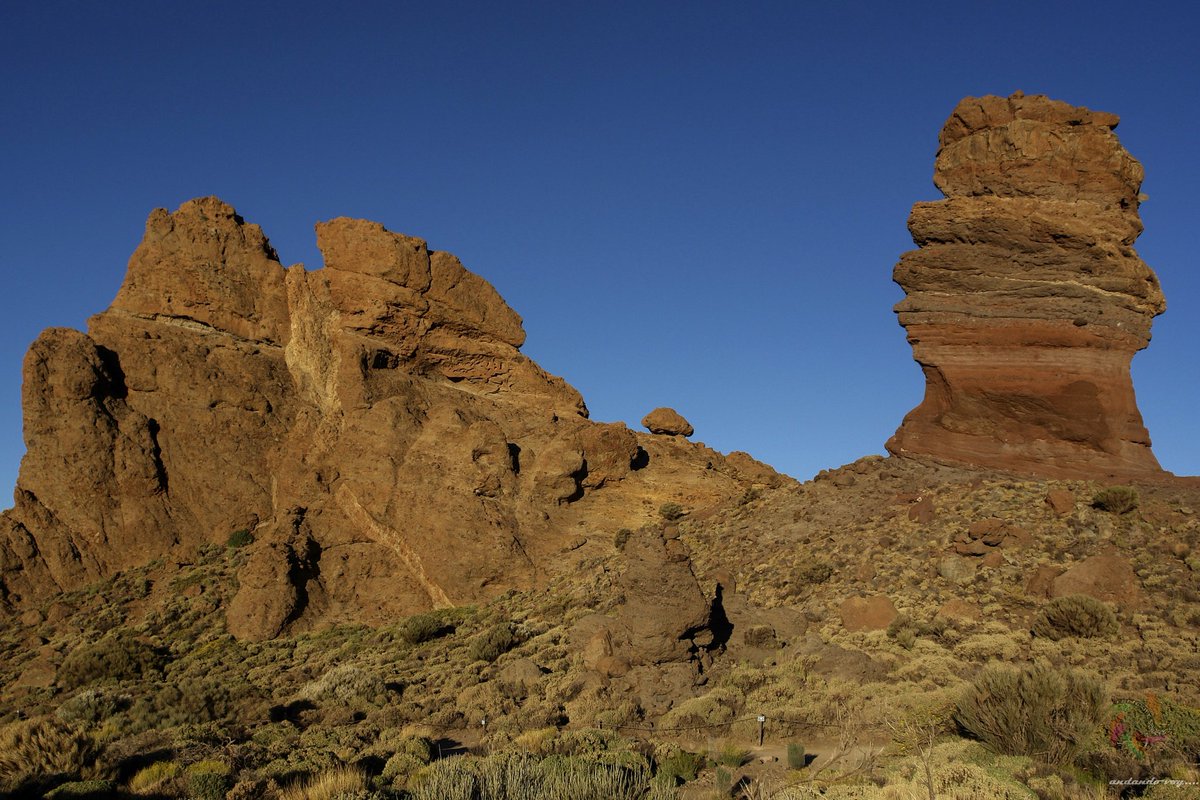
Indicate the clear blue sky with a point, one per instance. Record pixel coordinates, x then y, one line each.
691 204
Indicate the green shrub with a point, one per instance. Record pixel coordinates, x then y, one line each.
733 756
408 758
815 573
399 768
83 790
622 538
192 701
905 630
493 643
1116 499
117 657
681 765
1076 615
89 707
239 538
723 781
40 753
1037 711
208 785
155 778
419 747
423 628
717 707
670 511
795 756
348 685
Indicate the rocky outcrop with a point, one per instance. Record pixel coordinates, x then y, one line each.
1026 300
373 425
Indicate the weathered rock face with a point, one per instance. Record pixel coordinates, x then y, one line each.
1026 301
372 423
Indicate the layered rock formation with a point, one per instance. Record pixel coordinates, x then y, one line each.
1026 300
372 424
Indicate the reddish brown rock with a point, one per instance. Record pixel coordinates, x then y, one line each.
992 560
922 511
973 548
1026 300
1061 501
667 421
986 528
373 423
665 615
958 609
1108 577
867 613
1040 582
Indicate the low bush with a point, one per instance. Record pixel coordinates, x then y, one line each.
208 780
89 707
208 786
795 756
717 707
681 765
348 685
905 630
83 790
423 628
239 538
408 757
1116 499
493 643
192 701
670 511
1076 615
815 573
117 657
155 779
1037 711
733 756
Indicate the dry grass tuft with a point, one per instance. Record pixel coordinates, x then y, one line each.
42 751
327 785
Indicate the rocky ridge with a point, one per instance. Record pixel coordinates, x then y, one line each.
371 425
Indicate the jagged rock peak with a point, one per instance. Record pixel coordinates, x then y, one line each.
1026 300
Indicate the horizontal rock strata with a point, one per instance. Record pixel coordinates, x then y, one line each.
1026 301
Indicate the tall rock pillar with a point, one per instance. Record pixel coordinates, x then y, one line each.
1026 301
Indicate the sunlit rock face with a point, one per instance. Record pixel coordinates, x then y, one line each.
372 425
1026 301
